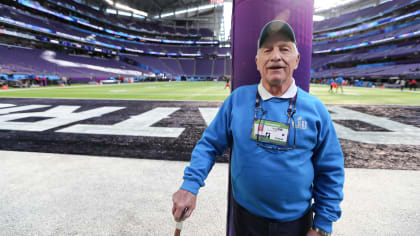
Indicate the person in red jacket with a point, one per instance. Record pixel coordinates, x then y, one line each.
227 84
413 84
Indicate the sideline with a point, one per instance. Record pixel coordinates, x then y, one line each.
59 194
69 87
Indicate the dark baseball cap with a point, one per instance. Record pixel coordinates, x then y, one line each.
276 27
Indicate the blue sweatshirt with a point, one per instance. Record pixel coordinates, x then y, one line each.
275 184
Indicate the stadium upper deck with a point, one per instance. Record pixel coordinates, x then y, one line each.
359 16
52 29
375 43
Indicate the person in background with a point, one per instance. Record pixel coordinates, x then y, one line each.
402 84
413 85
331 82
339 84
227 84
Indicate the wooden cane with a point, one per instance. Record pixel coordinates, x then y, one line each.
178 226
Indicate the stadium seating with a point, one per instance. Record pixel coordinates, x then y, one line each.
370 36
204 66
358 16
375 42
122 23
373 72
160 65
188 66
34 61
219 66
173 65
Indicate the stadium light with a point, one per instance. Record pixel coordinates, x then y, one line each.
327 4
111 11
193 9
126 8
167 14
181 12
208 6
188 10
318 18
124 13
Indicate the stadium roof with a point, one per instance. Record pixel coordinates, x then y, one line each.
327 4
153 7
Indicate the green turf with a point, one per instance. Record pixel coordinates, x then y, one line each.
358 95
200 91
208 91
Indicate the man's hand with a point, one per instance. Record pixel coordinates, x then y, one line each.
183 199
312 233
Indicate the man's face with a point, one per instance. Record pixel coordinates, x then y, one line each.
276 60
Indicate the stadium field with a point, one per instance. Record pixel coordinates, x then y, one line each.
190 91
360 95
208 91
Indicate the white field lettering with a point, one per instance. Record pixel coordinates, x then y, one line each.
142 124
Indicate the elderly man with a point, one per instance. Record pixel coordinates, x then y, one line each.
285 151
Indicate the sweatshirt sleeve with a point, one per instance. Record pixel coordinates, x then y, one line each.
328 163
216 138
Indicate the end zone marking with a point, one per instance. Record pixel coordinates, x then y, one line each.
208 114
2 105
20 108
401 133
59 116
139 125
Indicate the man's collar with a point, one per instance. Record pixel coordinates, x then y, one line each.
265 95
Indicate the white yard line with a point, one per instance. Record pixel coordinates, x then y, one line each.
73 87
202 92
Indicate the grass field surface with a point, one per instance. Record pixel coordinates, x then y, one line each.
194 91
359 95
208 91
